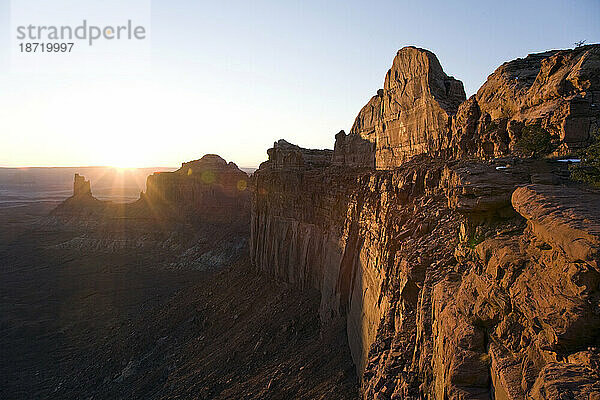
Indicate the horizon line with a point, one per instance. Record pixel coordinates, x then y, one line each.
95 166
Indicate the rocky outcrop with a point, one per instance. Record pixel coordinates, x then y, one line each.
208 188
81 186
411 115
454 281
457 279
559 90
421 110
286 155
81 204
554 216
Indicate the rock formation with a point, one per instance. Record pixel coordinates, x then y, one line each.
421 110
457 278
458 275
560 90
81 203
208 188
81 187
449 288
286 155
411 115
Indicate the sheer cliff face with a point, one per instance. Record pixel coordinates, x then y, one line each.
411 115
456 279
336 230
208 188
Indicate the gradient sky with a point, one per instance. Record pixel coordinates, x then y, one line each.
231 77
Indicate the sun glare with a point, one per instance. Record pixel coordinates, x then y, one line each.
122 168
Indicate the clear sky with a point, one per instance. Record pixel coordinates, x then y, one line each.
231 77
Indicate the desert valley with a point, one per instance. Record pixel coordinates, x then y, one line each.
445 248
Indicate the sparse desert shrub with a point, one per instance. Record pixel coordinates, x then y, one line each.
588 170
474 239
536 141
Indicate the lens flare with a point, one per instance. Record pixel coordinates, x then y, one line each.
242 185
208 177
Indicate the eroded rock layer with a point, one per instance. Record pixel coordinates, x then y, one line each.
457 280
411 115
421 110
559 90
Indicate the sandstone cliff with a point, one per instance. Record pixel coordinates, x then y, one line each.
286 155
411 115
421 110
560 90
448 289
457 278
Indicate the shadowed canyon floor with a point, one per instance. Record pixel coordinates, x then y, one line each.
126 323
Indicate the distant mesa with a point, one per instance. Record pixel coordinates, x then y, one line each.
208 187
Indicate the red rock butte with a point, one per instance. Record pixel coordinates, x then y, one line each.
209 187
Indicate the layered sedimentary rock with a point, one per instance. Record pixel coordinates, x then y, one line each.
559 90
454 281
421 110
411 115
208 188
286 155
457 279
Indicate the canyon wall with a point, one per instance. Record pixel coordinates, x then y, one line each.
457 278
